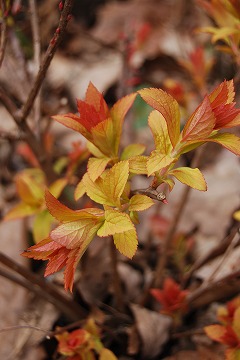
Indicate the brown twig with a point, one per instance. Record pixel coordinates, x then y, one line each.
51 294
36 58
157 281
52 48
19 327
213 291
216 251
115 277
150 192
3 40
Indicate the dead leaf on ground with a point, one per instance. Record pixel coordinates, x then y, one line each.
153 329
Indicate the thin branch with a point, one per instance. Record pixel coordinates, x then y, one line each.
19 327
8 103
58 299
10 136
230 282
52 48
152 193
36 58
115 277
227 253
3 40
172 229
215 252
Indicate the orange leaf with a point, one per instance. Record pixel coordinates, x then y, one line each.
171 297
72 121
159 130
222 334
61 212
168 107
230 141
118 113
200 125
222 104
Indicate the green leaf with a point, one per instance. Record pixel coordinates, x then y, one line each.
115 222
96 167
140 202
132 150
191 177
158 161
168 107
42 225
126 242
159 129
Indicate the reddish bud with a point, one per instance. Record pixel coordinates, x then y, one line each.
60 5
69 17
58 30
53 41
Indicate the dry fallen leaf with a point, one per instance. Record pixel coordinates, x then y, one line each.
153 329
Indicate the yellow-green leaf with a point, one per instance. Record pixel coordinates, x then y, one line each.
228 140
140 202
21 210
138 165
168 107
191 177
159 129
236 215
215 332
30 185
232 354
57 187
96 167
42 225
134 217
169 182
118 113
126 242
81 188
115 222
94 150
104 137
106 354
109 187
132 150
236 321
158 161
